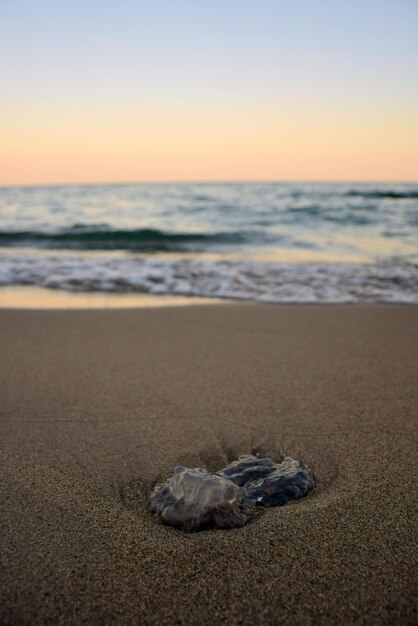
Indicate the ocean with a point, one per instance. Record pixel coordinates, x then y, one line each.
267 242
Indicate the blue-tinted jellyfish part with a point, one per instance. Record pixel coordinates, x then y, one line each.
281 486
268 483
247 468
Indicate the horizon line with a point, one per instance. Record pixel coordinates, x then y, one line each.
214 182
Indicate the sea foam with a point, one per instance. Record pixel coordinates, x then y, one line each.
239 280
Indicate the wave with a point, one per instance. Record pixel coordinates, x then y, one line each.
81 237
382 194
242 280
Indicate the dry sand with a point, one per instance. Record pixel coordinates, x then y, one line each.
96 406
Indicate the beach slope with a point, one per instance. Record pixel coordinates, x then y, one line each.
97 406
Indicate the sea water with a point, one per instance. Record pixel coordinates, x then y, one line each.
269 242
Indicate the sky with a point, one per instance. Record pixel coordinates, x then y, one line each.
197 90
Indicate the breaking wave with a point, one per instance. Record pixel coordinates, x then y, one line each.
382 194
84 237
243 280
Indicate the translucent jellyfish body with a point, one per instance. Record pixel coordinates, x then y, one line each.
193 499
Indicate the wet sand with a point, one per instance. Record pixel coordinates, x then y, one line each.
96 406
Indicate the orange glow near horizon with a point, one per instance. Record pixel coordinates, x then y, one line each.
80 146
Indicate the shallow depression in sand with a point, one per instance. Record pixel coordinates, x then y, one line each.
193 498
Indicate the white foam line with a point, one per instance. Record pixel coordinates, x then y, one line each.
263 282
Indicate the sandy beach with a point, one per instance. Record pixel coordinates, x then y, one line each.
97 406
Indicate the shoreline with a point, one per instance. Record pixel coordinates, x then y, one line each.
41 298
96 406
29 298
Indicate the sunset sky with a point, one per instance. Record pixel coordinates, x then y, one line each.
131 90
